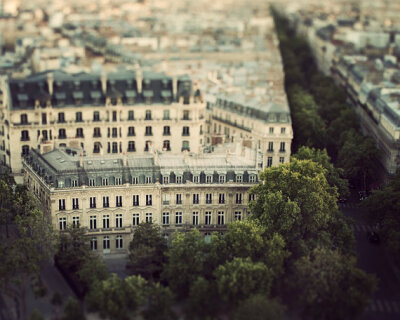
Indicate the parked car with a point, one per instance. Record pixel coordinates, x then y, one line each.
373 237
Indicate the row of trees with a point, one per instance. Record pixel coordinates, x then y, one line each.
295 254
321 116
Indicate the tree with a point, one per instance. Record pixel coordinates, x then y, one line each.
160 302
358 157
295 201
333 175
147 251
384 210
203 300
73 310
118 299
328 285
186 261
239 278
259 307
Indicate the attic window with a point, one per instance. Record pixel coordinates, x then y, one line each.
165 83
77 83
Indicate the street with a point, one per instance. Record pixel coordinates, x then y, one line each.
375 259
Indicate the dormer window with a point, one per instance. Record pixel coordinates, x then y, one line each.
221 178
196 178
165 179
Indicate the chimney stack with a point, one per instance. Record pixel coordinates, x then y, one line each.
103 80
124 159
50 82
174 87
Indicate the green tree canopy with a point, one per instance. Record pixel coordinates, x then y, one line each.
259 307
329 286
147 251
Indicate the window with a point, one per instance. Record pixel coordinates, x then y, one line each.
106 243
148 180
281 159
221 217
79 132
282 148
271 130
92 201
135 200
78 116
148 131
196 198
61 204
208 218
166 115
270 146
239 198
106 221
61 117
96 116
106 202
24 135
165 218
96 133
118 201
283 130
25 150
148 115
135 220
118 220
114 116
75 183
104 181
24 118
118 242
185 115
63 223
165 179
75 203
149 200
178 198
131 146
196 178
44 134
147 146
195 218
149 217
178 179
166 131
118 181
93 222
75 222
131 115
208 179
62 134
44 118
185 146
115 132
269 162
239 178
208 198
93 244
131 131
252 177
166 145
221 178
185 131
252 197
178 217
221 198
238 215
135 180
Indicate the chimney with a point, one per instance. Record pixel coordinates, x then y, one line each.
174 87
103 80
50 82
156 159
124 159
139 78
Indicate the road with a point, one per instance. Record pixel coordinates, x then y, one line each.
375 259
